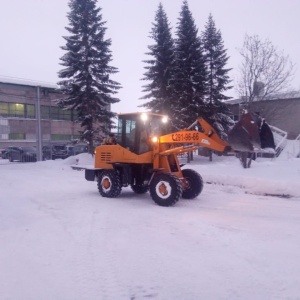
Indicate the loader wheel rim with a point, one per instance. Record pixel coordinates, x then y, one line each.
192 184
186 183
163 189
106 183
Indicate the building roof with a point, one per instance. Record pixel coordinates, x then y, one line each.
233 101
27 82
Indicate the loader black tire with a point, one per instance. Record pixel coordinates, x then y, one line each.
109 183
139 188
165 189
194 183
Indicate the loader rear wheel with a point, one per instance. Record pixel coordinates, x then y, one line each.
192 183
109 183
140 188
165 189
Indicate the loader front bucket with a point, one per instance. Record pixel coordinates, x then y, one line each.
245 136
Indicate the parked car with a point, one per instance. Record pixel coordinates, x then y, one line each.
1 152
24 154
47 153
5 151
70 149
80 149
59 151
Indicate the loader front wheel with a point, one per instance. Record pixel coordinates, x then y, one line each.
165 189
109 183
192 184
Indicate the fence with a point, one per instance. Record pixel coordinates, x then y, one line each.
280 139
298 150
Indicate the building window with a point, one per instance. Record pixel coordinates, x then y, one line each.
16 110
54 113
3 122
45 112
58 113
66 115
61 137
3 109
17 136
30 111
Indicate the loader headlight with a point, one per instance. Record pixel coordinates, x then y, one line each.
144 117
154 139
164 119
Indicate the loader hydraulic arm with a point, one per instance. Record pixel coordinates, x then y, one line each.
207 138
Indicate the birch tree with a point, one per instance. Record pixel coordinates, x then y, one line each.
264 72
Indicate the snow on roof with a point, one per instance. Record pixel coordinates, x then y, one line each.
27 82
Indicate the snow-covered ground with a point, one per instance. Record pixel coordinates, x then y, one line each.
61 240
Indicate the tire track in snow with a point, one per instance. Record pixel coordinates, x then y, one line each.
81 257
98 275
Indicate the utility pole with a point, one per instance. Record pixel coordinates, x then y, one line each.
38 125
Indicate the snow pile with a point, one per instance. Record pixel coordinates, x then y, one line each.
84 160
265 177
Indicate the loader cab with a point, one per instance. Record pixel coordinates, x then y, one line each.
136 129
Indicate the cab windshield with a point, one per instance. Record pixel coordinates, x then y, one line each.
134 130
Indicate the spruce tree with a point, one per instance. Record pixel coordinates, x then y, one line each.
190 72
218 79
160 66
86 80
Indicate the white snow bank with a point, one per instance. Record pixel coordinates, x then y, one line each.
265 177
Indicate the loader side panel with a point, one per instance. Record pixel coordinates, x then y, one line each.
107 155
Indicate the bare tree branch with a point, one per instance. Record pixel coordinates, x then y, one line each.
264 72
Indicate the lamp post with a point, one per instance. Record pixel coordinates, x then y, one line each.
38 124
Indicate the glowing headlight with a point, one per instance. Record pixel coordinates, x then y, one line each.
154 139
144 116
164 119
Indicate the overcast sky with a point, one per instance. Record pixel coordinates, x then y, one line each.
31 35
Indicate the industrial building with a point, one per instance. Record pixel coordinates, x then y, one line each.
28 112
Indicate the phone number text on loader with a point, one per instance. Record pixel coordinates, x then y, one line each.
185 137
